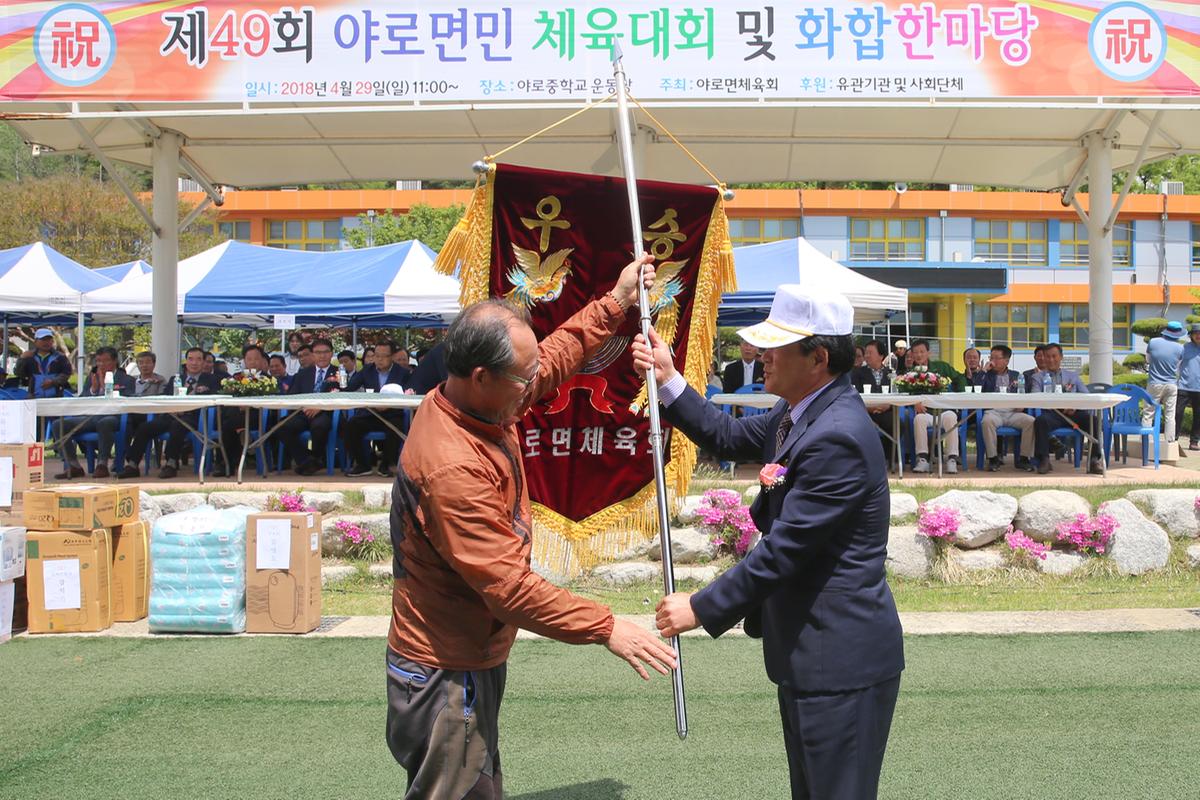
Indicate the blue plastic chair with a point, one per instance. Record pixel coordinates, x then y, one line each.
1003 432
207 423
14 394
1073 436
332 446
380 436
1126 421
90 443
751 388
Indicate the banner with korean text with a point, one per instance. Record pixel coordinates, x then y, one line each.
554 241
531 50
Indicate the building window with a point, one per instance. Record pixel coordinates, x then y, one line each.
1196 244
1073 237
1012 324
756 230
1074 322
887 239
238 230
1011 241
305 234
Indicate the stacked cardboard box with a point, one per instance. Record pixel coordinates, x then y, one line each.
86 558
283 572
21 469
12 569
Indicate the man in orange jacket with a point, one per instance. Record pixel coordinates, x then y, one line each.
461 533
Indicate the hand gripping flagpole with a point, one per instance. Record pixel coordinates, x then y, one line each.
656 437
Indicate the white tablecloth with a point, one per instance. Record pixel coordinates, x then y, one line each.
167 404
764 400
326 401
1008 401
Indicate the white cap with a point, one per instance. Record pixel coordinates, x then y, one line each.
798 312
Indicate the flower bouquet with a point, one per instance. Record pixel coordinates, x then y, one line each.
249 385
727 521
920 381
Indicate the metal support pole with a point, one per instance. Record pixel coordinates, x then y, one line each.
656 435
80 354
164 328
1100 341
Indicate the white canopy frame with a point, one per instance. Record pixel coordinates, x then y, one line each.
1035 144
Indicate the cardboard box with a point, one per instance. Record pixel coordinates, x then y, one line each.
12 553
80 508
131 572
8 595
283 572
23 465
14 516
18 421
68 578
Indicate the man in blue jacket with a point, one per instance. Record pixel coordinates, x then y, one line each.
814 586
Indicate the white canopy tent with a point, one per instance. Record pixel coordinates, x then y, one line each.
762 267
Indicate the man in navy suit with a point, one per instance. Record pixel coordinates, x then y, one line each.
320 377
1002 379
814 586
380 373
747 369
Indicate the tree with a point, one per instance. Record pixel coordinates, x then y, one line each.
426 223
88 221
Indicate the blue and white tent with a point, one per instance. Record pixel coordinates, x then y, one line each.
123 272
38 283
761 268
238 283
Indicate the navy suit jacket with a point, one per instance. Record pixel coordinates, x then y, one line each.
989 381
302 381
369 378
817 577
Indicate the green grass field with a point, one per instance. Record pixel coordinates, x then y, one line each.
1114 716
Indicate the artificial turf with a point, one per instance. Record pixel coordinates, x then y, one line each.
1062 716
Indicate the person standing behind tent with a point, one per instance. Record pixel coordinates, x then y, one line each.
1189 388
45 370
1163 357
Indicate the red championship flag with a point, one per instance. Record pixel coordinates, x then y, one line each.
553 241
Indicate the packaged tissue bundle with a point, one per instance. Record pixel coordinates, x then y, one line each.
198 579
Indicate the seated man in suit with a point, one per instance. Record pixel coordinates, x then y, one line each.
349 362
384 371
815 585
875 374
316 379
1002 379
1049 420
196 381
233 418
748 369
430 371
105 426
277 369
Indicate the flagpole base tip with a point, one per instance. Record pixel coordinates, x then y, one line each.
728 195
479 167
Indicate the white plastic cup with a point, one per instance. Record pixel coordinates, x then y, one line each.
870 388
885 389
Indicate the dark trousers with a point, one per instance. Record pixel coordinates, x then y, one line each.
836 740
297 422
1188 400
884 422
1050 420
442 727
106 428
163 423
364 422
233 420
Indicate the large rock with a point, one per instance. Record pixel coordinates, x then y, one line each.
174 503
903 506
331 540
983 516
688 546
1193 556
230 499
687 509
638 552
1138 545
706 573
380 570
626 572
1040 513
149 509
335 573
1173 509
1058 562
973 560
325 502
908 552
377 496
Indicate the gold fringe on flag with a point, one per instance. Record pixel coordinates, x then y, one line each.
468 248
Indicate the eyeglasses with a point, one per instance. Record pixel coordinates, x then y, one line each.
525 382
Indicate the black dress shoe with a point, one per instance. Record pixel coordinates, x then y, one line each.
129 471
167 472
993 464
308 468
1044 466
1095 467
72 471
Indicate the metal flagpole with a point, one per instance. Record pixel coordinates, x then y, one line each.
656 437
